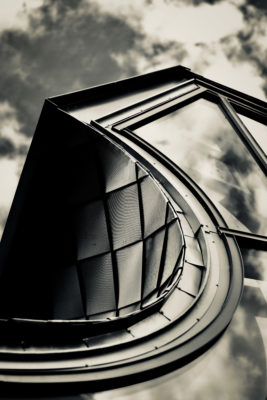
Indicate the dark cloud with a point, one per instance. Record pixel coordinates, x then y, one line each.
259 4
234 158
239 201
248 356
240 204
192 2
253 300
212 2
157 53
251 39
7 148
68 46
252 53
247 347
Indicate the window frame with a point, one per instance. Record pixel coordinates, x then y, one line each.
229 103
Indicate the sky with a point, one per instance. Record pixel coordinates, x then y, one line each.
48 47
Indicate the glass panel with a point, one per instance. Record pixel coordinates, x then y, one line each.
235 368
200 140
258 131
255 263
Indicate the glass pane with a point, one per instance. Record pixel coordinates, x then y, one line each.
255 263
200 140
235 368
258 131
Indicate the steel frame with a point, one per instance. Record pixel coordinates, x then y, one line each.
208 226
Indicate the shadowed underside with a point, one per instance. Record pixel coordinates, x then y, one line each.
111 264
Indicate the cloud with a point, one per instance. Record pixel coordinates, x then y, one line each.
14 13
63 46
62 50
10 131
9 180
69 45
13 149
60 46
200 34
259 4
49 47
6 147
203 144
250 45
247 348
228 371
186 24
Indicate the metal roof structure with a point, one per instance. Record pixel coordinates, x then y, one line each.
124 253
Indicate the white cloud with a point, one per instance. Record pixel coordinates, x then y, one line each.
13 13
9 125
130 10
178 22
9 181
242 76
198 30
189 24
10 168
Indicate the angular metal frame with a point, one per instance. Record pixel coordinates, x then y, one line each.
116 356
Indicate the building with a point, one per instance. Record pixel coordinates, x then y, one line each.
137 233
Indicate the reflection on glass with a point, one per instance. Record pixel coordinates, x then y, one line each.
235 368
255 263
200 140
258 131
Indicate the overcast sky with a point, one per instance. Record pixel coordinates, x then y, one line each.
49 47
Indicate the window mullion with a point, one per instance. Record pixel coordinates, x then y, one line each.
246 238
245 135
159 110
